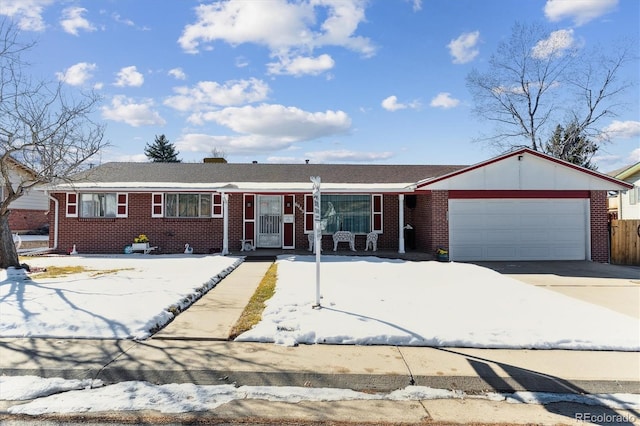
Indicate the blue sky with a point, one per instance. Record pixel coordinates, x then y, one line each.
326 80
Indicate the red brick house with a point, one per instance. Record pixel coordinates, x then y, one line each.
519 206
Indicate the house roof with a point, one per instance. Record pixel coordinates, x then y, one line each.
252 177
426 183
626 172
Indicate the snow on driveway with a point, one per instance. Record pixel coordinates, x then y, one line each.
372 301
128 302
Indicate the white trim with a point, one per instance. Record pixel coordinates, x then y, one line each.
154 204
374 213
232 187
76 204
125 204
587 221
220 205
225 223
401 223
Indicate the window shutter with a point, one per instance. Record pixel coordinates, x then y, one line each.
216 207
376 213
122 205
72 204
157 204
308 213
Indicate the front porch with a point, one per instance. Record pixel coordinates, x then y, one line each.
262 254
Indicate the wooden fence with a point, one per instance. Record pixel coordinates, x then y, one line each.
625 242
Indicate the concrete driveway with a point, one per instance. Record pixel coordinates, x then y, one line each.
613 286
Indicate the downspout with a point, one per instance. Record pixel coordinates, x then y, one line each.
401 223
225 224
56 219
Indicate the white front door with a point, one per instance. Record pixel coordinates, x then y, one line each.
269 221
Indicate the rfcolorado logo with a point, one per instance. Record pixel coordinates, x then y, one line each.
605 418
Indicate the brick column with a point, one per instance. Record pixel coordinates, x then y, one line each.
599 227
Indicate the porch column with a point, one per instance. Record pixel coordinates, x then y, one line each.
225 224
401 223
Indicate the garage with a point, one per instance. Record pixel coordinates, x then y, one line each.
519 229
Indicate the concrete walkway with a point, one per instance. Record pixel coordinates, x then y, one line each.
194 349
213 316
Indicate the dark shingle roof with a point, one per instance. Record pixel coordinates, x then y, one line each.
284 173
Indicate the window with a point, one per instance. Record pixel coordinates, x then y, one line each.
346 213
98 205
187 205
634 195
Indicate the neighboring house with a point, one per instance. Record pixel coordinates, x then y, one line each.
626 204
523 205
29 212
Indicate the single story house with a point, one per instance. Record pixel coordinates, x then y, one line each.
522 205
29 212
625 205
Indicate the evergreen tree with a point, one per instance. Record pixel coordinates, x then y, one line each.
571 145
161 151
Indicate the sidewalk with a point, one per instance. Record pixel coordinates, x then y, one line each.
194 349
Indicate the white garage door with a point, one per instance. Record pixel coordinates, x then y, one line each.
518 229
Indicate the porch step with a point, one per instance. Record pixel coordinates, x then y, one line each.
261 258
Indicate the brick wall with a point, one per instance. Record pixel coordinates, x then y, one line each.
111 235
599 227
27 220
430 217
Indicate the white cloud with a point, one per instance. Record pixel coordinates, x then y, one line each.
623 129
243 144
556 45
444 100
126 110
78 74
207 95
281 26
301 65
26 13
391 104
464 48
417 5
580 11
129 76
177 73
265 128
634 156
242 62
72 20
344 155
278 121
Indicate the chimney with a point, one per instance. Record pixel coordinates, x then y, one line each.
215 160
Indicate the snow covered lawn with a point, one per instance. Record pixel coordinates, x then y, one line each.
372 301
132 298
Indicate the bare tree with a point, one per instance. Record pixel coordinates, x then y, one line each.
43 130
537 80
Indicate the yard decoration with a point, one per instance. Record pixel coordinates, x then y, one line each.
140 243
142 238
442 254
